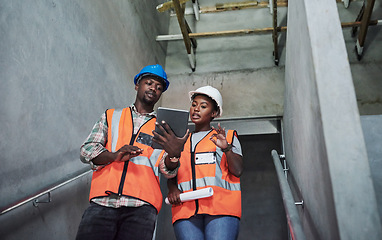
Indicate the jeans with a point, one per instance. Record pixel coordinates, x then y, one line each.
128 223
207 227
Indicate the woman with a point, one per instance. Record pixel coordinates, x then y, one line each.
211 157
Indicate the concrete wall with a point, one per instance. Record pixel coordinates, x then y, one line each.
372 130
245 93
324 144
62 63
242 67
62 60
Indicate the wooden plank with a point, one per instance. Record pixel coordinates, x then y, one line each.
229 33
240 6
359 17
236 5
236 32
248 31
364 27
220 7
168 5
182 24
193 40
274 33
340 1
365 21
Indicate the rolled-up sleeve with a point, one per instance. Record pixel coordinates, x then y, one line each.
95 143
164 170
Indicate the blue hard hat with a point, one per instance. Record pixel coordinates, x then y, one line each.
153 70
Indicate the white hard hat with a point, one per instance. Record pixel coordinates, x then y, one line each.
212 93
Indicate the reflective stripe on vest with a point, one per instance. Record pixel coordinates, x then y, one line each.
139 160
115 128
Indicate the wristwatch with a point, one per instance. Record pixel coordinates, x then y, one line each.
228 148
174 159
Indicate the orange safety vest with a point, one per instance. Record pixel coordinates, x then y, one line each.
195 173
138 177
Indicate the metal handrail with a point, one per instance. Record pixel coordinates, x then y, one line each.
39 194
289 204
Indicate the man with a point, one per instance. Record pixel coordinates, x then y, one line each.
125 195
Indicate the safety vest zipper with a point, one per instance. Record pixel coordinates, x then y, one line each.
194 171
126 164
193 174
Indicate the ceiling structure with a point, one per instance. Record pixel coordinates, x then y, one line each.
178 7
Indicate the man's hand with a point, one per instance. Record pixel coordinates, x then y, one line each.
126 152
122 155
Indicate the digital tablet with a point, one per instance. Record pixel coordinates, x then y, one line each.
177 119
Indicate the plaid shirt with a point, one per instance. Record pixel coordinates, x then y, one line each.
95 144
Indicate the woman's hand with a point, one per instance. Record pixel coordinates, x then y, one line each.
219 137
234 161
173 195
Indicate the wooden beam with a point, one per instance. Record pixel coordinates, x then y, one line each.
364 27
346 2
220 7
236 5
228 33
168 5
358 23
274 33
248 31
182 24
240 6
359 17
236 32
185 29
193 40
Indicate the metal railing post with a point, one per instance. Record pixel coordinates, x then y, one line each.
293 218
